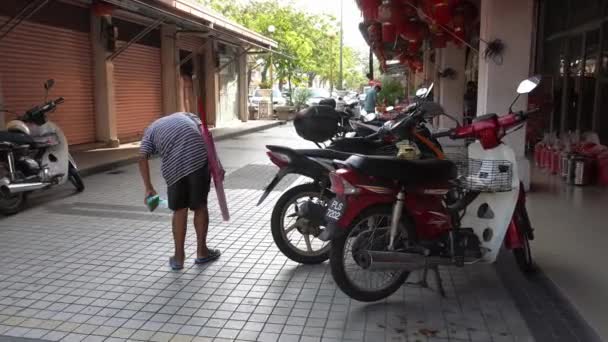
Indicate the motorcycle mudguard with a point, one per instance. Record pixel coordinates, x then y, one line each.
492 231
277 178
72 162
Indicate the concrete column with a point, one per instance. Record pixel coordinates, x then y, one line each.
211 83
103 74
511 22
243 89
452 90
169 58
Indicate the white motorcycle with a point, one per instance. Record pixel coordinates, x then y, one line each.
34 156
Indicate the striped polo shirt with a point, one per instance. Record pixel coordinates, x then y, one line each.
177 139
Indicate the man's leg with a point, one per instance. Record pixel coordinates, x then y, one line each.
180 220
201 224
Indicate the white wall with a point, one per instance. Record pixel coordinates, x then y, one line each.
510 21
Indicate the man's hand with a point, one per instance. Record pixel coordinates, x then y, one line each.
149 192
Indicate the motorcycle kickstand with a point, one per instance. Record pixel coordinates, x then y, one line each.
423 283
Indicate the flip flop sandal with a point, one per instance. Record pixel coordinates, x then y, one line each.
213 254
174 265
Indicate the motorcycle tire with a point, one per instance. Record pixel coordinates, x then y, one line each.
12 205
523 255
75 179
336 261
276 225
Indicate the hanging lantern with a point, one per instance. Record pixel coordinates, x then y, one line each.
389 33
412 31
439 41
409 8
439 11
414 47
394 12
102 9
369 8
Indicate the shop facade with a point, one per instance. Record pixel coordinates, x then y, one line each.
122 64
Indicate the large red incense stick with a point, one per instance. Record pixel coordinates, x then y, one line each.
215 167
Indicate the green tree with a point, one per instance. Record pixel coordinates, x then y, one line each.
306 38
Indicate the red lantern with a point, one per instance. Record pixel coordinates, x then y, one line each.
412 31
369 9
102 9
409 8
414 47
439 11
439 41
389 33
395 12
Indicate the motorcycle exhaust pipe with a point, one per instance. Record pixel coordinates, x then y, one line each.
397 261
11 189
391 261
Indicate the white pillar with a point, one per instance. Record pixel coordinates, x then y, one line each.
512 23
452 90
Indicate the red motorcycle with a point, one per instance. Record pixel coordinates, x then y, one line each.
391 216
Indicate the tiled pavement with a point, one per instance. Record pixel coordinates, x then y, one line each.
93 267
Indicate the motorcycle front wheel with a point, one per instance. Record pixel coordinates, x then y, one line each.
370 231
293 238
523 255
75 179
10 205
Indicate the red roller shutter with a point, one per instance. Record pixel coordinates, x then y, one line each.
33 53
189 43
137 81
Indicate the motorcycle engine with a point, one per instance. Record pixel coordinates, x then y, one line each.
28 166
467 246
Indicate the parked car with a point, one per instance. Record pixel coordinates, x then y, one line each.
258 95
317 94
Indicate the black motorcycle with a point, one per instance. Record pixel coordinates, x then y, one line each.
297 217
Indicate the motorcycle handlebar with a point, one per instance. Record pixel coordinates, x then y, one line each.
447 133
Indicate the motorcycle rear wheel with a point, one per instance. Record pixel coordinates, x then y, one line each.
341 247
281 236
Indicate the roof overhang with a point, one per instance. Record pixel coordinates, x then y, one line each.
193 17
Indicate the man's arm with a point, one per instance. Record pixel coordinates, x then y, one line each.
144 170
147 149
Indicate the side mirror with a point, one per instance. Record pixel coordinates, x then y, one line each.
421 92
49 84
527 85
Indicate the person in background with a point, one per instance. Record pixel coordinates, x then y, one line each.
178 141
371 97
470 102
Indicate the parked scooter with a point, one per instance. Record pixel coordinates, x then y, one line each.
305 204
389 216
33 156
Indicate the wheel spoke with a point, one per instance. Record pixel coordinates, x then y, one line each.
307 240
290 228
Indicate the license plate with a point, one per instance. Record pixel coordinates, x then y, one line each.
335 210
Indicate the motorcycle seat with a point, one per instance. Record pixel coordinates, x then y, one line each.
16 138
324 153
406 172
